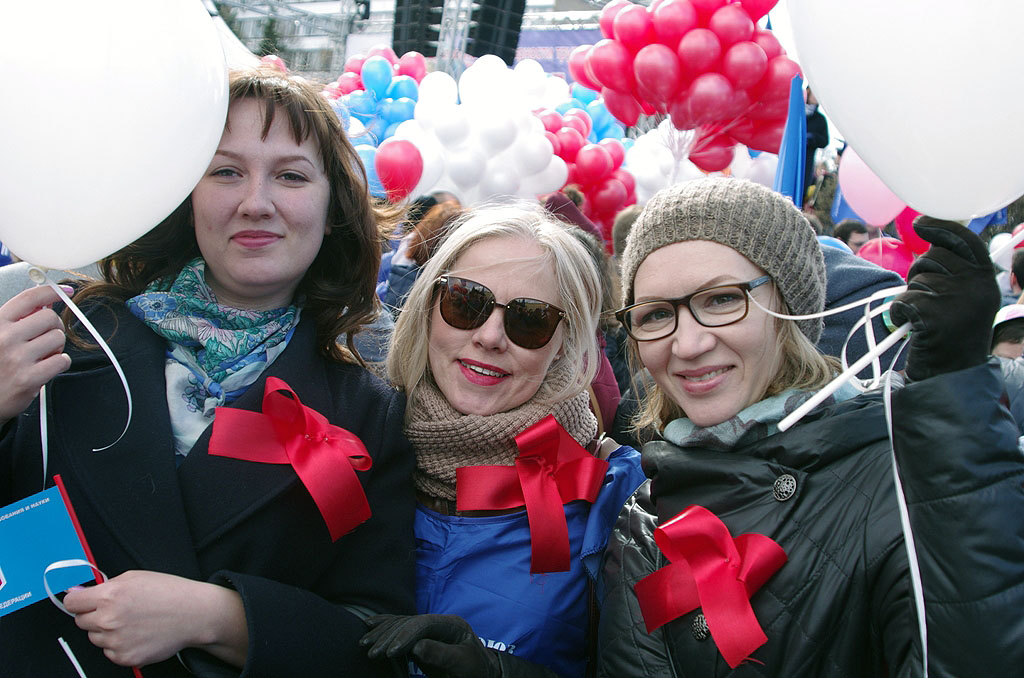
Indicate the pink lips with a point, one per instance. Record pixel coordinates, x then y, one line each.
255 239
477 378
686 378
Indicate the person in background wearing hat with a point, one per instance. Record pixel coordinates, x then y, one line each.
1008 331
820 581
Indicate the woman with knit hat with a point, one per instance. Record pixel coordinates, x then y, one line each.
755 551
495 347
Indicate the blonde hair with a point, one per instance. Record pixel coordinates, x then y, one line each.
578 284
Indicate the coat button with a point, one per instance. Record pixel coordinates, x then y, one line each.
784 487
699 627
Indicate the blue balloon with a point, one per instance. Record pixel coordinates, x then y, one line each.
384 108
368 155
403 86
571 103
829 241
599 114
376 75
361 103
612 130
584 94
341 110
376 127
401 110
390 131
628 143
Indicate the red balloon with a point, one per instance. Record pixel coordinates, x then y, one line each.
712 153
607 197
275 61
556 145
414 65
707 7
709 97
399 167
768 42
385 51
658 72
627 179
645 107
889 253
606 20
349 82
612 64
767 135
332 91
576 124
731 24
757 8
905 227
633 27
593 163
571 177
699 51
622 106
582 116
570 142
552 120
354 64
672 19
776 81
578 70
615 149
744 64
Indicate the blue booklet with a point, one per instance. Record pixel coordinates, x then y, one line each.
36 532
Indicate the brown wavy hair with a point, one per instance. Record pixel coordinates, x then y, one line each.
339 286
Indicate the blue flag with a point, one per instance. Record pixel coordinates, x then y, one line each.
789 174
978 224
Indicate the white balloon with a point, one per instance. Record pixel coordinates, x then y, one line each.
79 183
451 125
556 91
995 244
551 178
933 106
531 153
433 164
439 87
411 130
493 127
466 167
499 182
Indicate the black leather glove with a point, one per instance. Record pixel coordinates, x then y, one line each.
950 302
443 646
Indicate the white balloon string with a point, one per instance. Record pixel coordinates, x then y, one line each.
72 657
43 432
880 294
869 336
63 564
38 276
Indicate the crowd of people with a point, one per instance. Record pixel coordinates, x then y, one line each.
480 442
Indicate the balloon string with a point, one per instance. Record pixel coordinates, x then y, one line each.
71 657
39 277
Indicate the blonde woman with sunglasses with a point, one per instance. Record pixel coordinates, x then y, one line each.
495 348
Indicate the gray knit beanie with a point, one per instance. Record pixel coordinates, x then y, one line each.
757 222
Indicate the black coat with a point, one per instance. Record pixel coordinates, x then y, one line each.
250 526
842 604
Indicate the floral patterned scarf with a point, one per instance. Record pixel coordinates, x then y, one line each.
215 352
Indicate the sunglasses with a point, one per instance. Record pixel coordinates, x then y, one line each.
466 305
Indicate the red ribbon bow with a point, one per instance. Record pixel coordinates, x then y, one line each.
324 456
552 469
711 570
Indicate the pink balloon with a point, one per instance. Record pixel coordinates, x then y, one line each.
399 166
622 106
658 72
612 64
414 65
633 27
672 19
570 141
712 154
699 51
627 179
582 116
552 119
776 81
868 196
354 64
707 7
606 19
332 91
385 51
607 197
744 64
709 97
556 145
593 163
731 24
615 149
578 67
889 253
757 8
768 42
275 61
905 227
349 82
576 124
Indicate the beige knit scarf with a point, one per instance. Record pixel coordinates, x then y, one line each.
445 439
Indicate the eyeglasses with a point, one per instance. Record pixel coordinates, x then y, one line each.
466 305
711 307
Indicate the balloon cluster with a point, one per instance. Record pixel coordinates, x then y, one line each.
705 63
604 125
478 137
595 167
379 89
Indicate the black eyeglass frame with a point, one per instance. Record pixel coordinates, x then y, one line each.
747 287
442 282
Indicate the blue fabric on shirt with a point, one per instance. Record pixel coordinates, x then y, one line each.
479 569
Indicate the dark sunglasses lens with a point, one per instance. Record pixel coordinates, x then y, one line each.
530 323
465 305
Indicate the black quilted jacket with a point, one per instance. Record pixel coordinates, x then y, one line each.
842 605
